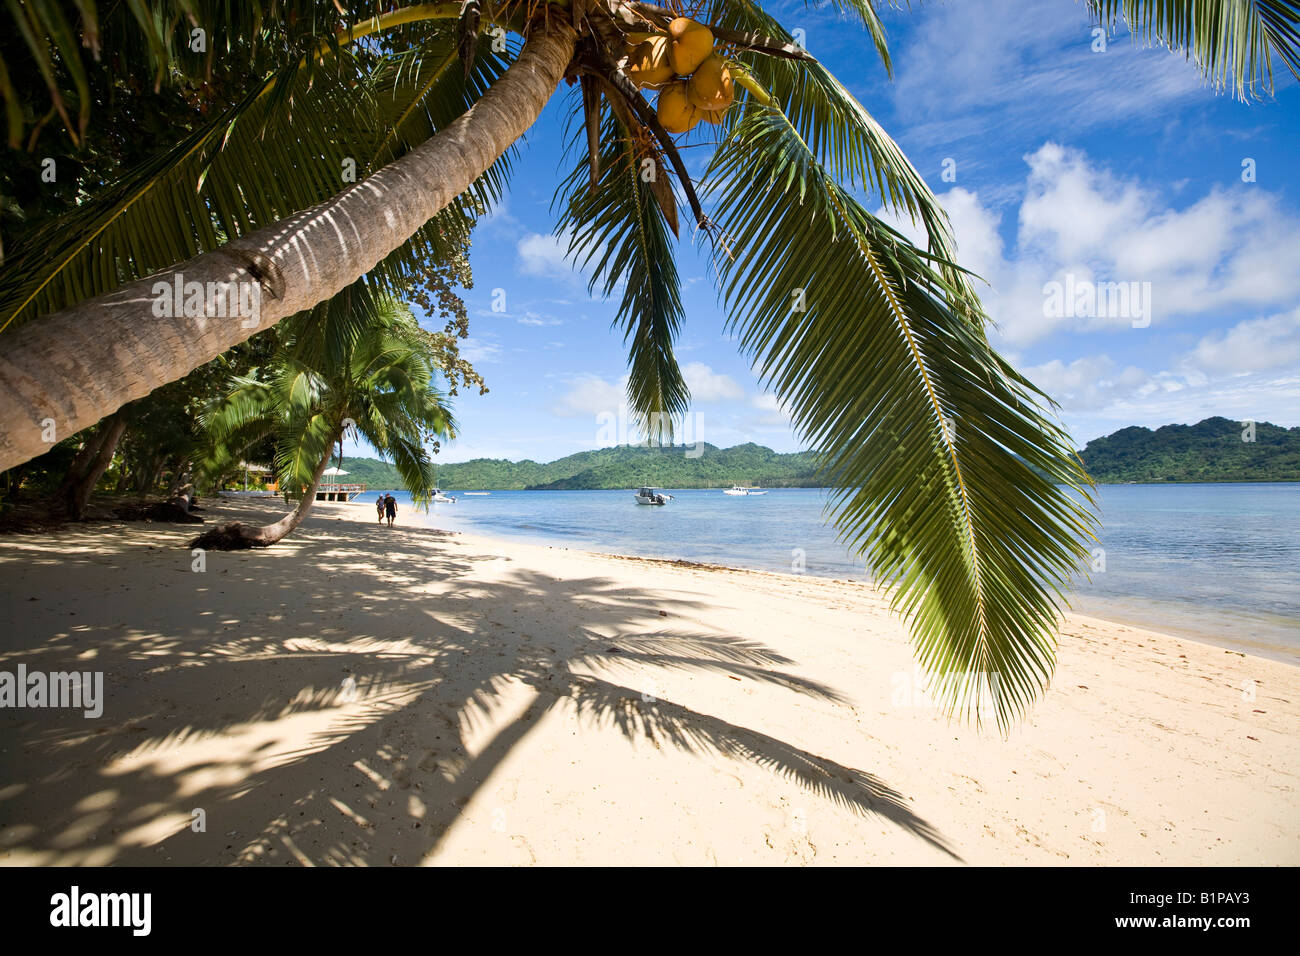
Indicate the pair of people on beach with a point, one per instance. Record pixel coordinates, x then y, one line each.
386 506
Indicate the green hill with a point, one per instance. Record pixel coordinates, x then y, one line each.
1210 450
369 471
621 467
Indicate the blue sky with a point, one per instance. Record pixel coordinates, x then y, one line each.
1063 164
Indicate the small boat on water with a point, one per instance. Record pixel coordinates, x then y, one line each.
652 496
475 494
439 496
742 492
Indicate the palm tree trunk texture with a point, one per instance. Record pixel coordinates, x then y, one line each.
80 482
80 364
237 536
80 462
179 472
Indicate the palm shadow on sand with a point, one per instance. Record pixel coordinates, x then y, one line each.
389 706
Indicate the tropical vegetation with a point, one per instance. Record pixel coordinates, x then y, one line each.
382 388
627 466
1215 449
349 152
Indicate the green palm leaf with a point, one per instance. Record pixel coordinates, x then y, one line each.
619 231
975 543
283 148
1232 42
384 382
152 38
840 132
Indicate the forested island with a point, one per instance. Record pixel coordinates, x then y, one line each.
625 466
1215 449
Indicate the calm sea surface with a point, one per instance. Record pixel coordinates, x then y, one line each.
1218 562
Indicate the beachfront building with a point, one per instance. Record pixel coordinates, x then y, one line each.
331 489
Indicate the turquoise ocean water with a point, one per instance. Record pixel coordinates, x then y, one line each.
1217 562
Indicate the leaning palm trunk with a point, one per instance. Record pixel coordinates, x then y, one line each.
76 366
236 536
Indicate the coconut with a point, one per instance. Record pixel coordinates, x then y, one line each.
648 64
675 110
691 45
712 116
711 86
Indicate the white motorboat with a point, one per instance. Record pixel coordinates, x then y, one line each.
742 492
652 496
476 494
439 496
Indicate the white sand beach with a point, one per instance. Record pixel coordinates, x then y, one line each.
361 696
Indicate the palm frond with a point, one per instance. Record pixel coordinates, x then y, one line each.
149 41
864 10
931 439
246 414
620 232
1232 42
840 132
306 437
374 369
287 145
249 401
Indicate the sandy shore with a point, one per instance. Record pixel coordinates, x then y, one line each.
365 696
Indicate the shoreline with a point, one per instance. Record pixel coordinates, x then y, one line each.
1269 650
361 696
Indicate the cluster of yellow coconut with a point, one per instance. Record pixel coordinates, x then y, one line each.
694 83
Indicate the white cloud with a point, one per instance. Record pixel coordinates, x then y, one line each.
544 256
1173 401
477 350
771 413
1251 346
1233 248
1072 210
1230 248
1087 383
967 65
707 385
1231 251
537 319
589 396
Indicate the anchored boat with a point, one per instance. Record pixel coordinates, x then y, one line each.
652 496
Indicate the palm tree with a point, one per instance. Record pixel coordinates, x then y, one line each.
977 528
383 384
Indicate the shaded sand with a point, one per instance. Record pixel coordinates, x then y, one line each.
365 696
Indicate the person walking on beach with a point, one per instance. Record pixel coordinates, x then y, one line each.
379 508
390 508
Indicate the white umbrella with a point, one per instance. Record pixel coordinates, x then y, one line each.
333 471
